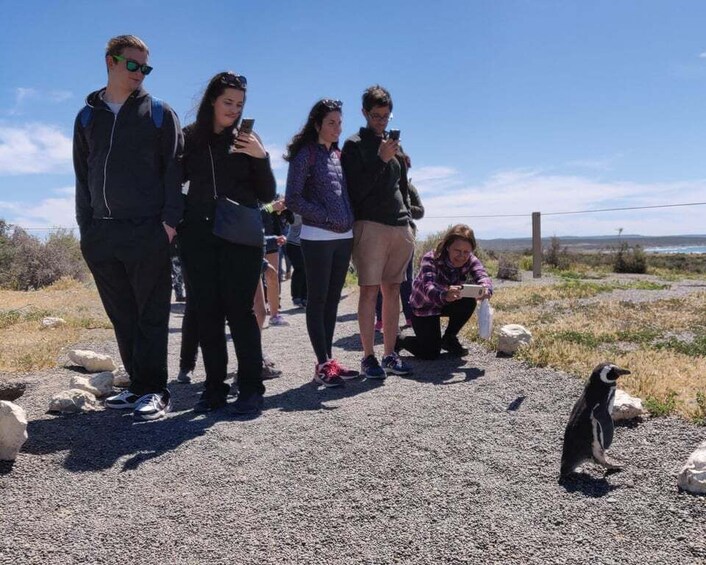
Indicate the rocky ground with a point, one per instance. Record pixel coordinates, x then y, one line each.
456 464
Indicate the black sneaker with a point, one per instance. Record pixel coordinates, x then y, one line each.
153 406
248 404
207 404
184 376
451 344
122 401
269 372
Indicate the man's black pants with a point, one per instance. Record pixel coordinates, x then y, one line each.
130 262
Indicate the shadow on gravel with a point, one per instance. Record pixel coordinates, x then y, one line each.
587 485
97 440
445 370
310 397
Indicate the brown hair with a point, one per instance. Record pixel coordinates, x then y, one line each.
459 231
116 44
376 96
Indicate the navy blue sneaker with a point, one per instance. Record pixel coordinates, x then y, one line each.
393 364
370 368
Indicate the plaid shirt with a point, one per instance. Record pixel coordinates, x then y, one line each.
436 275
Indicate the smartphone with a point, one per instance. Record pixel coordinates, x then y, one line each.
394 134
472 291
246 125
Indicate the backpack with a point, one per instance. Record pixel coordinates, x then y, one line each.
86 113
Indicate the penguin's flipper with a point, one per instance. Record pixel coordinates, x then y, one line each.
598 448
605 420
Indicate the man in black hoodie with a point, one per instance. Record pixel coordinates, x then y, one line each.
127 147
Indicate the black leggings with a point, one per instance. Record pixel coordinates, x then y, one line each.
222 279
326 264
426 341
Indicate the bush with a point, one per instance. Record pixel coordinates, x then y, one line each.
508 269
555 256
27 263
630 260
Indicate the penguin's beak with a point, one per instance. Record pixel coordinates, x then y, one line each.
620 372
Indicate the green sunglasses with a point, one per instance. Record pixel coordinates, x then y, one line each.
132 65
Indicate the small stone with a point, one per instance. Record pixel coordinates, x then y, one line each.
626 407
73 401
692 476
120 378
511 337
98 385
91 361
52 322
13 430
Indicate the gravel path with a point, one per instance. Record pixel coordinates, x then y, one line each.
457 464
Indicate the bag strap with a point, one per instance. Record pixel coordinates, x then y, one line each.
213 173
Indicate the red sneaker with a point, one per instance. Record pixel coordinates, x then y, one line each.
343 372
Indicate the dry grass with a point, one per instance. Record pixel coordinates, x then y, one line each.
662 342
25 345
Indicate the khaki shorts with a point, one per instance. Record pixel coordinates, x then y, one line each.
381 252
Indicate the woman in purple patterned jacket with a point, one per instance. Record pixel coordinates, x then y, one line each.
316 190
436 292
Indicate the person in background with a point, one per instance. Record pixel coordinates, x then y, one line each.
127 149
417 212
274 240
316 190
376 173
436 292
294 252
223 276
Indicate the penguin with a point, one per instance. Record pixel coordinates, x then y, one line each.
589 432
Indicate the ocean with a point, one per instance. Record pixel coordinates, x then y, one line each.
678 249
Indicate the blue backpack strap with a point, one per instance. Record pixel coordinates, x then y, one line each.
157 112
85 115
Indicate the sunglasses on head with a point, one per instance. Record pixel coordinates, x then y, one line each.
235 81
332 104
132 65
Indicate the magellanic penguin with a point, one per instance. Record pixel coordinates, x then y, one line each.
589 432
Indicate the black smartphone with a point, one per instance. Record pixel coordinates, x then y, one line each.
394 134
246 125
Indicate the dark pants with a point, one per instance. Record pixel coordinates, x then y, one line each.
326 264
426 341
189 338
222 279
130 262
405 293
298 282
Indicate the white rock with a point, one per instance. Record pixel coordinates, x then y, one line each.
72 401
120 378
92 361
692 477
98 385
52 322
13 430
511 337
626 407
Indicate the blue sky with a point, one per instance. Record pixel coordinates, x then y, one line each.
506 107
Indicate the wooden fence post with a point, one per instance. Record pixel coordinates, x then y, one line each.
536 245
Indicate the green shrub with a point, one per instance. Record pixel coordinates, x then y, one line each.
662 406
630 259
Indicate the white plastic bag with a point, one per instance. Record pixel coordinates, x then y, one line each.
485 319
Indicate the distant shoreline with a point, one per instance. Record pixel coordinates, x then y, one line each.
687 244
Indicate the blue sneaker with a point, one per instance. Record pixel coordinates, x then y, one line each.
393 364
370 368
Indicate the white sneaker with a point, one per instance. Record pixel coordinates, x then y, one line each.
152 406
122 401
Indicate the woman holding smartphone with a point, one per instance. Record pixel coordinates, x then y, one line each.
316 190
223 276
437 292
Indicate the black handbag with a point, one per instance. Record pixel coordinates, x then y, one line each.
238 223
234 221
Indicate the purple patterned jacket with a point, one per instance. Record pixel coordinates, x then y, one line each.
316 189
436 275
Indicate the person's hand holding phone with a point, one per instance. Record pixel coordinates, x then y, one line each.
388 149
453 293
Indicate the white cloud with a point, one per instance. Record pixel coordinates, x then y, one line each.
514 195
56 211
23 94
34 148
276 160
702 55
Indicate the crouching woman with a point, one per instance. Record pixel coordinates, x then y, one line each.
436 292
